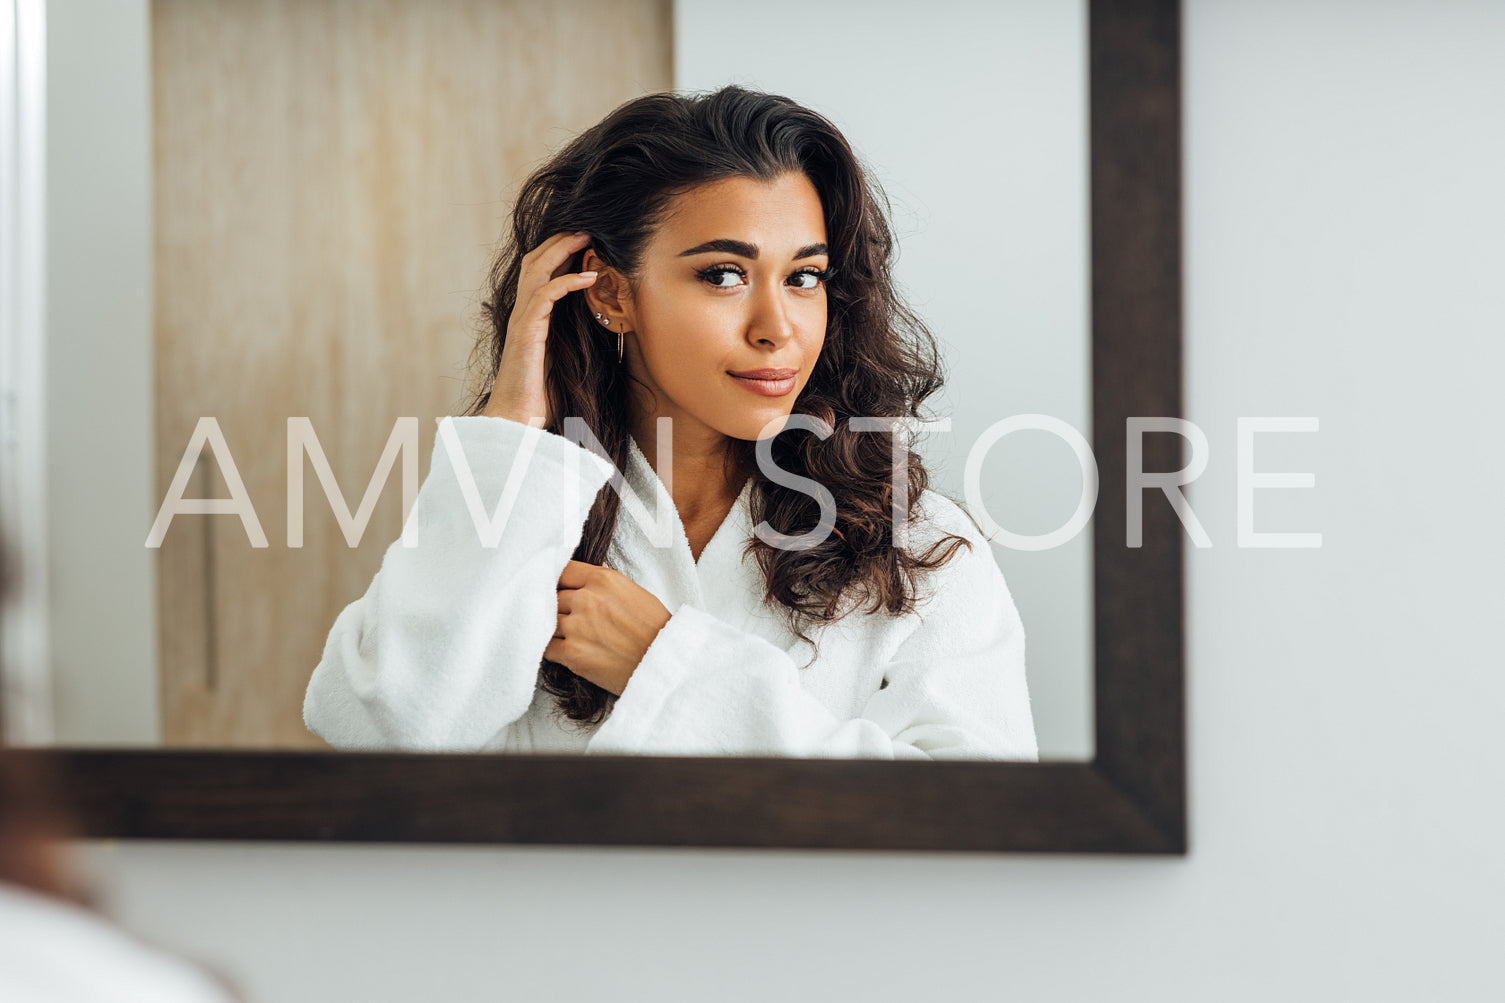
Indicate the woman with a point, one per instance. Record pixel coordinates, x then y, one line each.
717 268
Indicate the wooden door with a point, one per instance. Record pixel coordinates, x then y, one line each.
332 177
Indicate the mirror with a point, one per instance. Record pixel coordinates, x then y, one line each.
76 543
262 212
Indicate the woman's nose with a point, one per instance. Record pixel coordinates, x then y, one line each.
770 322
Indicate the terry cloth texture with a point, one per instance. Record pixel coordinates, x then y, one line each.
442 652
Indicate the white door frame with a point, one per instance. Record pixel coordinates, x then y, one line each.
25 646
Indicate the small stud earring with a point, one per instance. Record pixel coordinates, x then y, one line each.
607 322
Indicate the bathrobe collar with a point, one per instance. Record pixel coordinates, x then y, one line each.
671 573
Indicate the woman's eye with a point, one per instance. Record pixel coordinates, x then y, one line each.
713 276
716 276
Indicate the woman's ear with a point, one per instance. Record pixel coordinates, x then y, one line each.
608 295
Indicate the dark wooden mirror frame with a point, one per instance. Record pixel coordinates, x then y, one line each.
1131 798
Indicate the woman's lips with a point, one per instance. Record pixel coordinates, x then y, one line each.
768 388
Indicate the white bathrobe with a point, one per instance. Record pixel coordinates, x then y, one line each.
443 650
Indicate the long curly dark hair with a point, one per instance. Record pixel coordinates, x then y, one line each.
615 182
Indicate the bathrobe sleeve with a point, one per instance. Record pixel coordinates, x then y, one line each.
955 686
443 650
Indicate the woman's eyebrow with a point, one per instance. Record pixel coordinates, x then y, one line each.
743 249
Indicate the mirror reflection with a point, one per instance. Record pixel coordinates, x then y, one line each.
547 384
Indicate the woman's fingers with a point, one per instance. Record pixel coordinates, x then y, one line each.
548 259
519 389
577 574
541 303
543 281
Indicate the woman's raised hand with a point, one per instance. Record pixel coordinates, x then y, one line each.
517 392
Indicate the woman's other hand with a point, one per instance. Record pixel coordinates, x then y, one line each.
606 623
518 389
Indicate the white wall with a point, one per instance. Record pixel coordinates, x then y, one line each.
1344 260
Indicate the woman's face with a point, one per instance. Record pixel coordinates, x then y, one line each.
732 282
